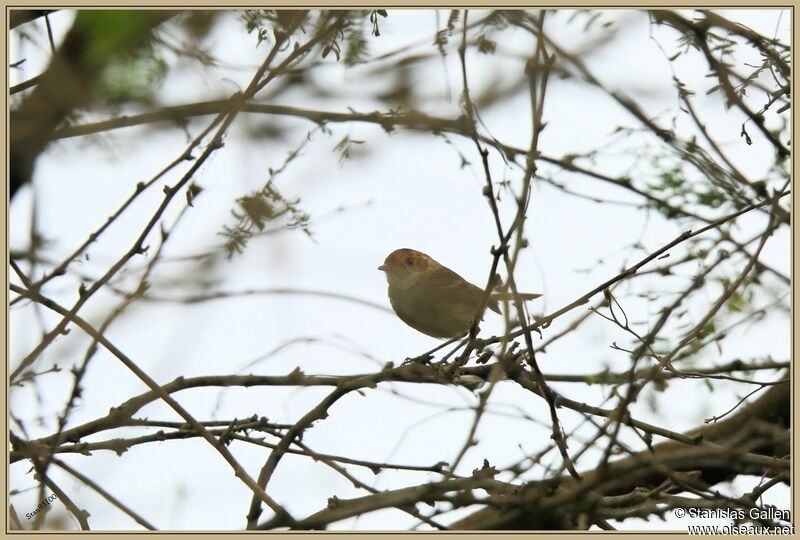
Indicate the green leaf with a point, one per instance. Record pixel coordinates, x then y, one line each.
736 303
111 32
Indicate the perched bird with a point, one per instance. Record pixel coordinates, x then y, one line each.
432 298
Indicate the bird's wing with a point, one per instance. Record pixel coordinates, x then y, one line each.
457 290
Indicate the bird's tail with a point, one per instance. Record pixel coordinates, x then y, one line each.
500 296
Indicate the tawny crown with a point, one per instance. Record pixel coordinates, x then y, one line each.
408 259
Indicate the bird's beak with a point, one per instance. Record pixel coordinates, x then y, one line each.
383 268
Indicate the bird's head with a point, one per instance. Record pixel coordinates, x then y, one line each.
404 267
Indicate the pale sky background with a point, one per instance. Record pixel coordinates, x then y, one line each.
407 190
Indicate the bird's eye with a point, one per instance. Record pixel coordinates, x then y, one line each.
410 261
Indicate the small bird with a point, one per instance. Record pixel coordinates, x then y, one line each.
433 299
